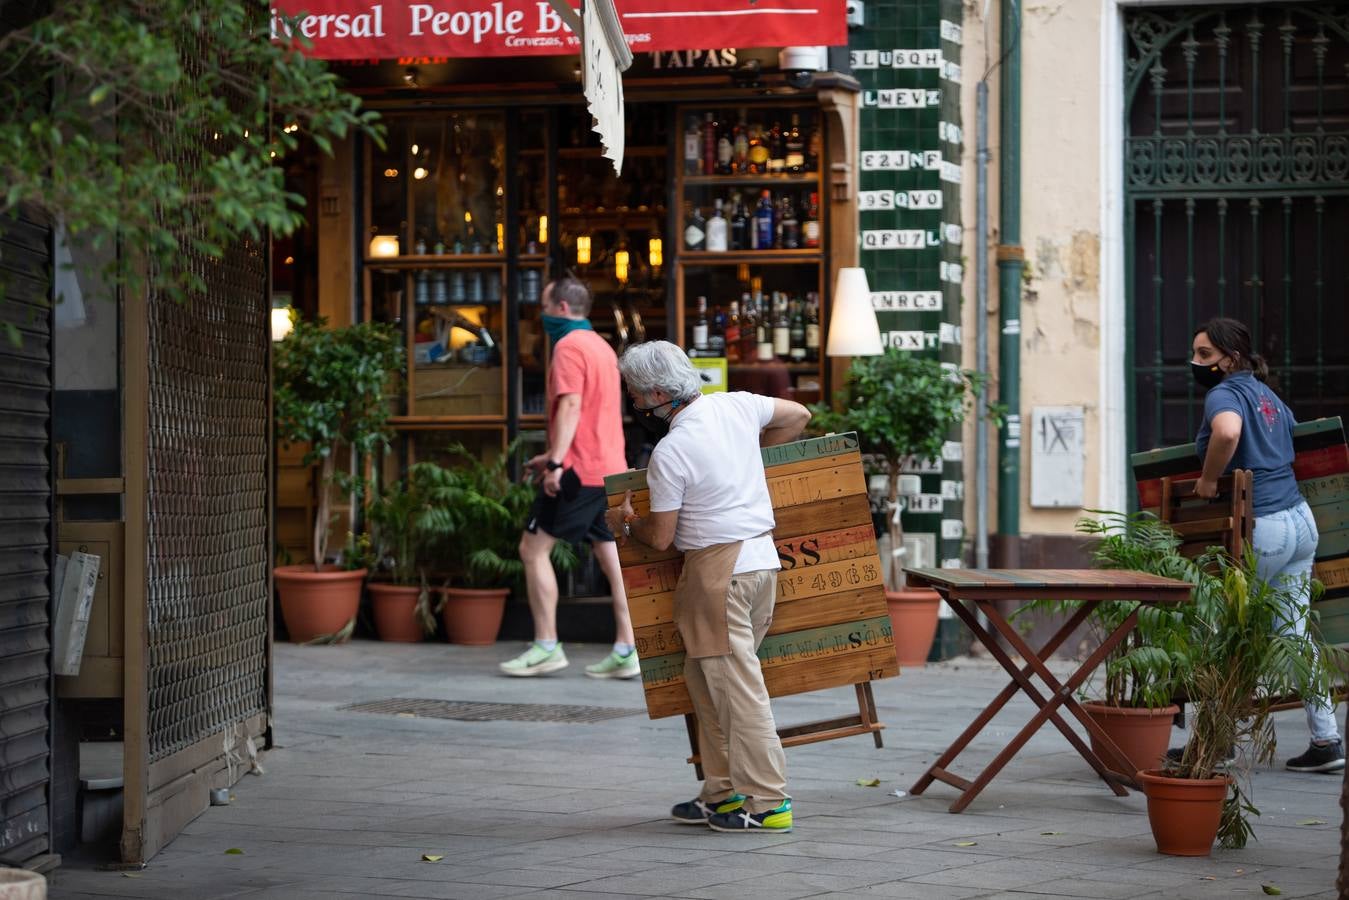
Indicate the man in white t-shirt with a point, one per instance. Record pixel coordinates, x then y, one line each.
710 500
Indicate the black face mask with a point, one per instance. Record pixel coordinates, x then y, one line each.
1206 376
657 426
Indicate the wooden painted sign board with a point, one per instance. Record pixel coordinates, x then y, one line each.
830 626
1321 464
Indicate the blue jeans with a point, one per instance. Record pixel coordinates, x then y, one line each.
1285 545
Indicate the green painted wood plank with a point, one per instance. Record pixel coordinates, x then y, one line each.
1333 620
1332 543
1330 517
1330 489
791 647
1315 431
779 455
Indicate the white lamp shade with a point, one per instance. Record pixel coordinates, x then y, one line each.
852 325
282 323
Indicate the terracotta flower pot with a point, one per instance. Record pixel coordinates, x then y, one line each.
1184 812
1142 735
314 604
395 610
913 617
472 615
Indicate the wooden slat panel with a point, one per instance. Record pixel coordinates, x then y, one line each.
830 626
1333 573
782 681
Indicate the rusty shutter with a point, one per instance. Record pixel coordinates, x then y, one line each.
25 542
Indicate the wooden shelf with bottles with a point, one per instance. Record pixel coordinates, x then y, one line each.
785 280
437 261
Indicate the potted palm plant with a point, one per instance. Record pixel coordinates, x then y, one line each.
902 407
328 394
1145 671
481 556
404 521
1241 663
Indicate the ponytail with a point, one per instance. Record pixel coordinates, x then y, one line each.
1259 367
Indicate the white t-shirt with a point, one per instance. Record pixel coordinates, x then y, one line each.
709 469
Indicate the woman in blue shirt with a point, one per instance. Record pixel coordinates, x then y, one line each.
1247 426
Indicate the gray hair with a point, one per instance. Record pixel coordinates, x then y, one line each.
660 366
574 292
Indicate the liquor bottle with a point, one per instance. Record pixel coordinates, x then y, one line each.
693 147
764 349
810 228
717 229
798 333
709 144
716 338
725 150
695 231
739 225
812 327
700 329
758 151
791 228
777 150
782 328
419 248
796 147
731 336
749 328
814 150
740 146
763 222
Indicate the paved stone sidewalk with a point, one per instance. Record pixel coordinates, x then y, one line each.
351 802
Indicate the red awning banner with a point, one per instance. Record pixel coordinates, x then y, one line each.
353 29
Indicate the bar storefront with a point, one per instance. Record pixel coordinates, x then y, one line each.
734 207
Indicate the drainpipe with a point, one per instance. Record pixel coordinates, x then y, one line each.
981 325
1010 260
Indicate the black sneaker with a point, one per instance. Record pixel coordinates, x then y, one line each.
739 821
1319 758
696 812
1174 755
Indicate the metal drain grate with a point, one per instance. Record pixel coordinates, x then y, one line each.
477 711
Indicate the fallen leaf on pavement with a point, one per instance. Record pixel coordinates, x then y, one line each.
131 874
431 857
1208 878
1312 822
1047 833
1270 889
868 782
967 843
234 851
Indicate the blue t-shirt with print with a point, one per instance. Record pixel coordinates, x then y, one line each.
1266 444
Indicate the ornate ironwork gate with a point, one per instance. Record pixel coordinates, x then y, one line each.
1237 201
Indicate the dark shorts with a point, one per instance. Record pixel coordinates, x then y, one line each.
571 520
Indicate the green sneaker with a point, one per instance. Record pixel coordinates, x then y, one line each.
615 666
696 812
535 661
740 821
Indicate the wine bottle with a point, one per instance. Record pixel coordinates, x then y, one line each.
695 231
700 328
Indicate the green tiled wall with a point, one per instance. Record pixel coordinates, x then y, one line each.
907 58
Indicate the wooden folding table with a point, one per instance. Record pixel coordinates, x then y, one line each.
970 592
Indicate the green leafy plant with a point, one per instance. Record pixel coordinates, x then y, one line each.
164 126
329 389
902 406
489 511
1241 665
1148 667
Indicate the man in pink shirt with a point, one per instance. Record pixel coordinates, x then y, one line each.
585 443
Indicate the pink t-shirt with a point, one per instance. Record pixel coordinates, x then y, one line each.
584 363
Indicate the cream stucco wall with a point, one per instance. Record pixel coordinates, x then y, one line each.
1061 202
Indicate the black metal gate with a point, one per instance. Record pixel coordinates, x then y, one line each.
25 542
1236 168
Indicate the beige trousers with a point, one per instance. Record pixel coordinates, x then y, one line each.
737 737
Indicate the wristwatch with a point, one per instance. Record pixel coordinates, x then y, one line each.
552 464
627 526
